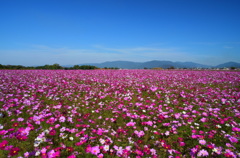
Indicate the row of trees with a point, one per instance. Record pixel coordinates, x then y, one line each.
82 67
52 67
20 67
15 67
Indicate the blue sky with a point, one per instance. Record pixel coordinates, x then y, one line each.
69 32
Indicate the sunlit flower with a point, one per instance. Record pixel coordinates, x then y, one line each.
106 147
95 150
62 119
71 138
131 124
202 153
217 150
202 142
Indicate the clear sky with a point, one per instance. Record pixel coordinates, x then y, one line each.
68 32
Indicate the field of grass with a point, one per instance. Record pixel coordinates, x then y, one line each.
119 113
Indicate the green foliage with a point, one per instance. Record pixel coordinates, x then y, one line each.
49 67
15 67
82 67
171 67
114 68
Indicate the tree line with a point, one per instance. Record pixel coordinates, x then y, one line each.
52 67
48 67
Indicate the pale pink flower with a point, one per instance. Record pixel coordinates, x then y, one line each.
140 133
62 119
202 142
95 150
233 140
203 119
131 124
202 153
153 89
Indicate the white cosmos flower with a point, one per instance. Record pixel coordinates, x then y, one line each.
37 153
102 141
36 143
106 147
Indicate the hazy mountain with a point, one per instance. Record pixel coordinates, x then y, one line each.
157 63
119 64
228 65
168 64
193 65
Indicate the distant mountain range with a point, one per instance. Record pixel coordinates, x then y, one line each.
157 63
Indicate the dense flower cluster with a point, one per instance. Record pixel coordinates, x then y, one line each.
119 113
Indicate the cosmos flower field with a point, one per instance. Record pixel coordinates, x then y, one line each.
119 113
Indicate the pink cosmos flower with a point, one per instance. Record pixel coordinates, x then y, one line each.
210 146
193 151
44 153
153 151
223 100
3 132
43 150
217 150
150 123
233 140
139 134
166 146
181 143
139 152
20 119
53 154
95 150
166 124
235 129
26 154
52 132
80 143
100 131
57 125
177 115
153 89
62 119
14 151
195 136
131 124
202 141
3 144
56 154
36 119
100 155
229 153
88 149
204 114
203 119
22 138
51 120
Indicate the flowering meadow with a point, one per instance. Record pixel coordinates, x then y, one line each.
119 113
